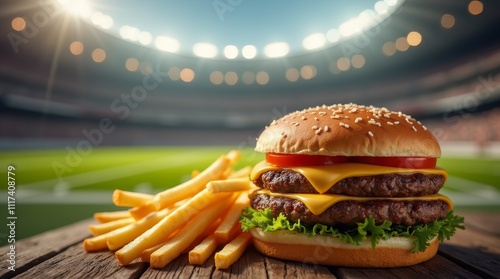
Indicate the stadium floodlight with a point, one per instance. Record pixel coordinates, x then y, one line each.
278 49
249 51
205 50
129 33
167 44
77 7
314 41
230 51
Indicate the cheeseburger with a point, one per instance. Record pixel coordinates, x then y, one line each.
349 185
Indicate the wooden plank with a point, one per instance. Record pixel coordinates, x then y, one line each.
438 267
250 265
488 222
76 263
34 250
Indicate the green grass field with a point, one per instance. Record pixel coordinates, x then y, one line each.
57 187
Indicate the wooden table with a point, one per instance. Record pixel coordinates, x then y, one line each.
473 253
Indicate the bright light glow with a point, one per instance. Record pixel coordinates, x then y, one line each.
132 64
248 77
314 41
18 24
145 38
76 48
206 50
174 73
186 75
365 19
76 7
249 51
391 3
333 35
98 55
381 7
389 48
101 20
262 78
167 44
447 21
278 49
129 33
349 27
308 72
414 38
231 78
216 77
475 7
358 61
343 63
402 44
292 74
230 51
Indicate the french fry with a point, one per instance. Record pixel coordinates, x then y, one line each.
229 185
141 211
127 198
95 243
241 173
234 156
104 217
98 229
199 254
146 253
232 251
161 257
194 185
119 237
207 232
230 225
175 220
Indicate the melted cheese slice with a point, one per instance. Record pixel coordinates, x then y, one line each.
323 177
318 203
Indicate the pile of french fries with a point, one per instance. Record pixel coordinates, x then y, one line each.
194 217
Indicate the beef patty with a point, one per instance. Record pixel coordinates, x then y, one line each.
386 185
351 212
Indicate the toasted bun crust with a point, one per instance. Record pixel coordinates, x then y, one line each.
324 250
348 130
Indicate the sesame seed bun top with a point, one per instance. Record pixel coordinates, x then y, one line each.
348 130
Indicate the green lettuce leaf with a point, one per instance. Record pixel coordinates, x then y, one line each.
443 229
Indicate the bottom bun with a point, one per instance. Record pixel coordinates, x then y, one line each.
327 250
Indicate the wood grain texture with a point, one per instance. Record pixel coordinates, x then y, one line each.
34 250
472 253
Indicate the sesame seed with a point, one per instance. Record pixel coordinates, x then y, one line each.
357 119
346 116
325 129
396 122
400 113
414 129
408 120
341 124
387 115
304 118
390 123
425 128
315 118
346 126
314 127
370 133
322 113
318 131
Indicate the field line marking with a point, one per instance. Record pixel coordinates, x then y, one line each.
472 188
101 175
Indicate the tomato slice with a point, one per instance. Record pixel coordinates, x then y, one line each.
399 162
295 160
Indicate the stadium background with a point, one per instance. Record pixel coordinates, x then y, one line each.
85 109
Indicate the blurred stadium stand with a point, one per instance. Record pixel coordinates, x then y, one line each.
48 95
